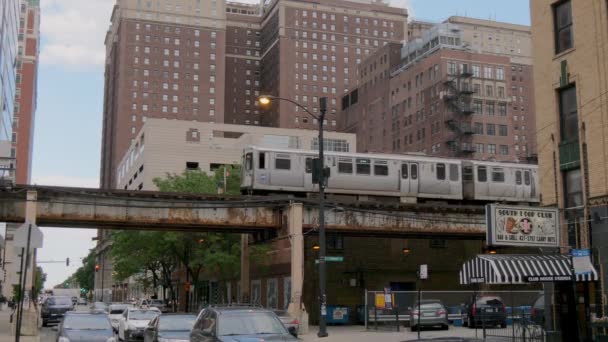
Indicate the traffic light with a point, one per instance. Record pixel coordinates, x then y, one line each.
96 268
67 262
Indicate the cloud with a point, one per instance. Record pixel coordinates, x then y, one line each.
73 32
58 180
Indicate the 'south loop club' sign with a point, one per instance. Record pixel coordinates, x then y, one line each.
522 226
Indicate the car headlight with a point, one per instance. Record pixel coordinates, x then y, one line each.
111 339
64 339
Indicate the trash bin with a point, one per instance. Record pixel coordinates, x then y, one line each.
337 314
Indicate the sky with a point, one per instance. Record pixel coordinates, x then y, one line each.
67 138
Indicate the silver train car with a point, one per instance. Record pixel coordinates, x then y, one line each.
408 178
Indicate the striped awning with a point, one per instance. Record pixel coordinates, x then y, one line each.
520 269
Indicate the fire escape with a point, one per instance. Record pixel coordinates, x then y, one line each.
458 116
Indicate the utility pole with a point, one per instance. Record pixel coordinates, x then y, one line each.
322 281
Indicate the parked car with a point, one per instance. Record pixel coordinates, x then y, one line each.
288 321
134 321
74 300
537 313
170 327
85 327
99 306
485 311
232 324
115 312
159 304
429 313
82 301
53 309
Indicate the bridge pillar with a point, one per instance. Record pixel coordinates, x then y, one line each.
297 258
244 269
30 315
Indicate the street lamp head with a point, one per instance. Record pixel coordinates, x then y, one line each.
406 250
316 247
264 100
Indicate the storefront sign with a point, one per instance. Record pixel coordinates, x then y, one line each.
581 261
479 280
522 226
538 279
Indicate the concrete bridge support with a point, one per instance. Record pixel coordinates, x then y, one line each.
297 262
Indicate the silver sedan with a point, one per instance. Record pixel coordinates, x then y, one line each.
429 313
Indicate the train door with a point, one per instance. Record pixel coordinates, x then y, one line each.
519 184
308 186
262 167
247 170
482 186
285 171
528 187
409 179
468 182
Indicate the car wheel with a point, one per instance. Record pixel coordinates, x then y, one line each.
471 323
445 327
45 323
503 325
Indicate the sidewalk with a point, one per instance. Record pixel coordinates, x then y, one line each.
357 333
5 329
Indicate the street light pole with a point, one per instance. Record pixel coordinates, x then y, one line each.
265 100
322 281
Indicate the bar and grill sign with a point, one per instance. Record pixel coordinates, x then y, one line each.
522 226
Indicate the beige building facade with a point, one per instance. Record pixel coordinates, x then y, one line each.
571 91
173 146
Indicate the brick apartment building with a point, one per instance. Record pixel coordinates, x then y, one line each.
210 60
26 88
440 97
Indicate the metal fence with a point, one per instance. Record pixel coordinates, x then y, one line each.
507 316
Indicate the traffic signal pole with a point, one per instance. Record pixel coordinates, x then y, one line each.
322 281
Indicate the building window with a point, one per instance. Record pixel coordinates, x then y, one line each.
491 129
502 109
504 150
562 16
568 114
502 130
478 128
492 148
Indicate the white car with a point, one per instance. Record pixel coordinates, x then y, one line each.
133 322
115 312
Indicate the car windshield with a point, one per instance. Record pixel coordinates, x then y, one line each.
250 323
116 311
176 323
143 314
86 322
59 301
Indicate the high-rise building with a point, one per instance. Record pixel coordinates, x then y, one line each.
571 92
9 29
442 98
209 61
26 88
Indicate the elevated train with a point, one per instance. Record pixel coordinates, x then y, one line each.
407 178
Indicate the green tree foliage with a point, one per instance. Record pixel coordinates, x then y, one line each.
157 254
84 276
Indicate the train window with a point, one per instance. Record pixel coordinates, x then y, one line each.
345 165
414 171
498 175
440 171
261 160
527 177
308 165
482 174
467 173
518 177
282 162
248 158
363 167
404 173
454 172
380 168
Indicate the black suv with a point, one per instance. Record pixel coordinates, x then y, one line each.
54 307
485 311
239 323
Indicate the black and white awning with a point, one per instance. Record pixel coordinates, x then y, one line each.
520 269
